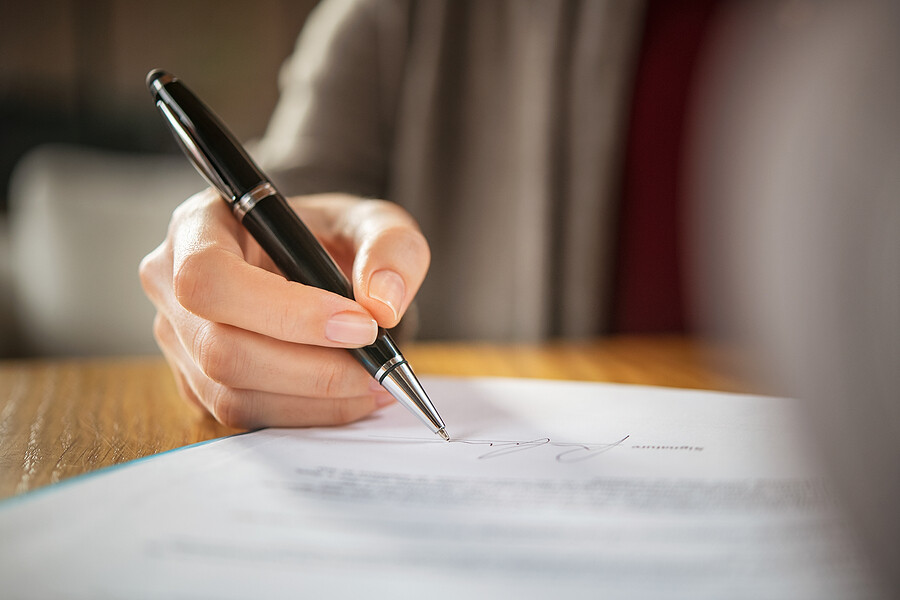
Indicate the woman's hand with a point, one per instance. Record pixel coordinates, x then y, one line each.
255 349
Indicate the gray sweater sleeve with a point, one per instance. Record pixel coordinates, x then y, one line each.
497 125
331 130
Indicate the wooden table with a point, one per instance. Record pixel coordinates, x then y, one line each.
60 418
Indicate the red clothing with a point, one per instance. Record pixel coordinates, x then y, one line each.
649 286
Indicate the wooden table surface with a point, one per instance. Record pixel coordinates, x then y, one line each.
60 418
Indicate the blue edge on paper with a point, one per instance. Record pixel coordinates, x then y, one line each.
51 487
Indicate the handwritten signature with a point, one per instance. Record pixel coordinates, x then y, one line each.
572 451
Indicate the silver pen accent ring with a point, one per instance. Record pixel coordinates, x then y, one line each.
380 374
246 202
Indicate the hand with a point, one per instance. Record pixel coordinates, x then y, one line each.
255 349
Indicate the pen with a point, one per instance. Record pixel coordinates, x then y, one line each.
264 212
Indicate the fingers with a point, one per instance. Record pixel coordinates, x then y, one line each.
347 396
390 254
212 280
242 359
256 350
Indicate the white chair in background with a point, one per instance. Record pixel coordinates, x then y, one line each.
79 222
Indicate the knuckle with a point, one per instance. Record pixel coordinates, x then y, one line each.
410 244
190 277
232 409
283 322
330 380
182 212
160 329
196 204
417 245
186 283
146 267
214 352
374 206
342 412
150 267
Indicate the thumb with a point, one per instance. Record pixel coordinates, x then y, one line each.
392 258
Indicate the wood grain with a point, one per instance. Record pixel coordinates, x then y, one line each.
665 361
60 418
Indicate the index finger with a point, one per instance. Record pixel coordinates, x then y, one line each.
212 279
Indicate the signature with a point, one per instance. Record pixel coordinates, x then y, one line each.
570 452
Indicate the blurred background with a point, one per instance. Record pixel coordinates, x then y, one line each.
73 106
794 171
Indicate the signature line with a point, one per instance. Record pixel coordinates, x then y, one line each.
572 451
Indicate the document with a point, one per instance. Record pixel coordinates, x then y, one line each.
548 489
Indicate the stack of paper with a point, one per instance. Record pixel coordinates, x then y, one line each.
548 489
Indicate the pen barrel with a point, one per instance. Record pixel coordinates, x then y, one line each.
293 247
206 141
301 258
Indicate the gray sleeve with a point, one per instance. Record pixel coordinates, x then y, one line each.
331 130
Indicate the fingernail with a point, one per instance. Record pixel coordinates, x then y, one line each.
383 399
351 328
387 286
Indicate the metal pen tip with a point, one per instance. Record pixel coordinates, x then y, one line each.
443 433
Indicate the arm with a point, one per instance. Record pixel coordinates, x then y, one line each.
332 130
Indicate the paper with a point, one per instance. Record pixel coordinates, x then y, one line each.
549 489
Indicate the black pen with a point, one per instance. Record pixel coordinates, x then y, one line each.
263 211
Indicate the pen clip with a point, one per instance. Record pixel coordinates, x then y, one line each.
201 162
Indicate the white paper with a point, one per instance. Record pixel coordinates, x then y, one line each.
549 489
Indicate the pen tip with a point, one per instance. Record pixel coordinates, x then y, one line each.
443 433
